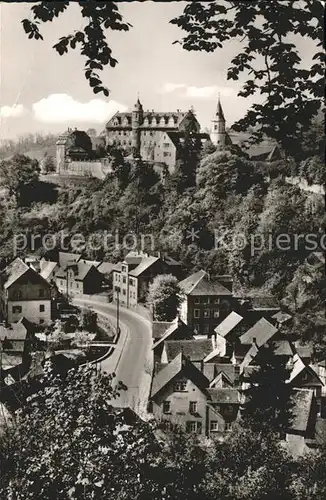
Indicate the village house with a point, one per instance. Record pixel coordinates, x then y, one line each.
206 302
132 277
79 278
24 293
177 330
15 344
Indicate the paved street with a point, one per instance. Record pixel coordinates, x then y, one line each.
131 360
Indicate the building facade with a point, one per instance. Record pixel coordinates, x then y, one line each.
150 135
206 303
25 294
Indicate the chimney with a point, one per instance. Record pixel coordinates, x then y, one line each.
254 342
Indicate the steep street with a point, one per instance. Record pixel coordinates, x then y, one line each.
131 360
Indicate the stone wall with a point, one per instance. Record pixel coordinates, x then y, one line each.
91 168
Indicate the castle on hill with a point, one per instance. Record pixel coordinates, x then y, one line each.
155 137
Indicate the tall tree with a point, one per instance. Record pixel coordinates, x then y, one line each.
267 406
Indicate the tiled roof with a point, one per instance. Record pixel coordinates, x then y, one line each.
195 350
145 264
105 267
94 263
149 115
177 326
14 271
281 317
263 302
16 331
221 396
209 371
66 258
228 369
179 364
231 321
198 284
159 328
302 402
305 351
48 269
81 270
262 331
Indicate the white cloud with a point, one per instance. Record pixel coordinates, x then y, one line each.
12 111
172 87
208 92
62 108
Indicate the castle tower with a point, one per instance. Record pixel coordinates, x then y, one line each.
136 121
218 135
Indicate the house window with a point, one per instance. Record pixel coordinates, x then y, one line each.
193 407
77 285
16 309
41 293
41 321
131 281
166 153
61 282
196 313
166 144
214 425
194 427
123 292
304 377
216 313
42 308
124 281
124 269
228 426
150 407
180 386
197 300
206 313
166 406
196 327
206 329
217 300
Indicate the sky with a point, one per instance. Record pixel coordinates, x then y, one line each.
41 91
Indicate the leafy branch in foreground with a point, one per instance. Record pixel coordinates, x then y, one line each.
91 39
291 88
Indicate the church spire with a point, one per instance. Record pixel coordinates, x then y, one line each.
218 134
219 110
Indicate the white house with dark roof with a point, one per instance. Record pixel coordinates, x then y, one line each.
24 293
206 302
132 277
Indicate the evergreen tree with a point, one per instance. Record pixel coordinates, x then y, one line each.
267 406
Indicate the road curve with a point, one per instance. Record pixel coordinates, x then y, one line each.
133 365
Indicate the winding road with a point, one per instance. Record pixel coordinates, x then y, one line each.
132 359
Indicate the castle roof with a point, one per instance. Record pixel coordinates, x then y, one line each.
151 119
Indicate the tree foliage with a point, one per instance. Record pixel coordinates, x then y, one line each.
269 57
165 295
267 406
91 39
18 175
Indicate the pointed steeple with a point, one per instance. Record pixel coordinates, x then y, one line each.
219 110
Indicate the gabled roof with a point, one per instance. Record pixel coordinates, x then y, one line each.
177 325
262 331
179 364
302 402
195 350
94 263
299 366
14 271
281 317
145 264
48 269
16 331
81 270
228 369
230 322
66 258
198 284
225 395
105 267
159 328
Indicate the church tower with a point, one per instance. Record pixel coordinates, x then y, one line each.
218 134
136 121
